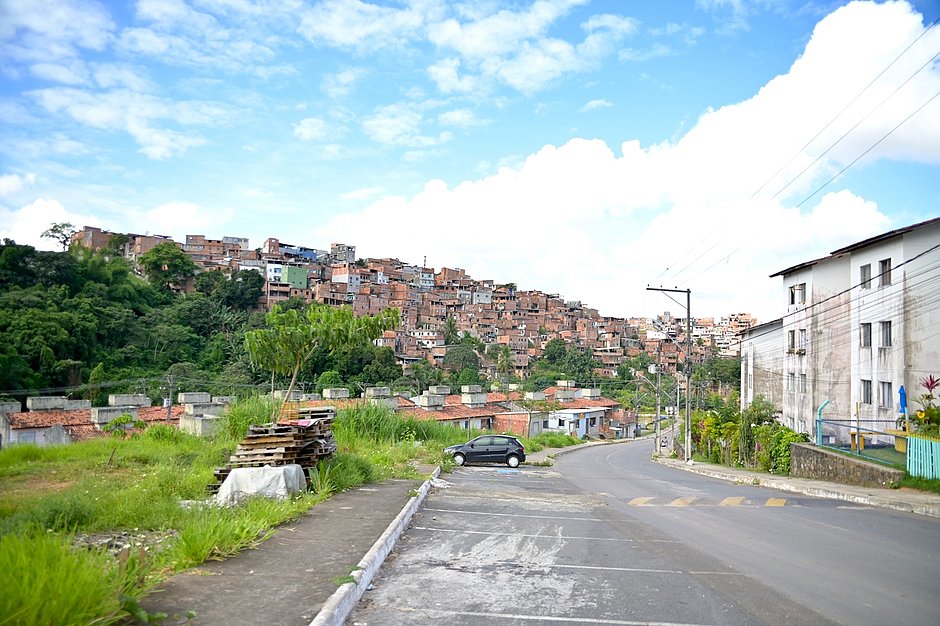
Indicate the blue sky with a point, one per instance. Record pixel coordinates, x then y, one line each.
584 148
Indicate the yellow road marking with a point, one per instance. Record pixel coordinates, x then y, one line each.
686 501
734 501
640 501
775 502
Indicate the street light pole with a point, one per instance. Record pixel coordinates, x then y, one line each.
688 366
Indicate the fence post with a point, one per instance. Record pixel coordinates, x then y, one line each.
819 440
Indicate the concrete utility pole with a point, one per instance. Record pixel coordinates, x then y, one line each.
688 366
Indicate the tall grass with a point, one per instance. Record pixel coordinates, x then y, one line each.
46 581
137 483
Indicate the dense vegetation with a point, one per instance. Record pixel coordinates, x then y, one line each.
83 323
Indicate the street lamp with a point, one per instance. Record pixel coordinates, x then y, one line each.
688 366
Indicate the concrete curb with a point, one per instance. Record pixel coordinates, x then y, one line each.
339 605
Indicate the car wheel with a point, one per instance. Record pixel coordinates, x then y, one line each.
512 460
459 459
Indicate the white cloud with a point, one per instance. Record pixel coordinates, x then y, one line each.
400 125
26 224
357 25
311 128
47 32
180 218
362 194
514 48
445 74
597 104
14 183
339 85
682 213
462 118
134 113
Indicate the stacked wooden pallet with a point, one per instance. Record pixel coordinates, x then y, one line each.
305 439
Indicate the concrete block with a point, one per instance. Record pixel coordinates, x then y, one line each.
194 397
205 408
534 395
72 405
430 401
46 403
10 407
378 392
471 389
333 393
128 399
439 390
101 415
199 425
473 399
223 399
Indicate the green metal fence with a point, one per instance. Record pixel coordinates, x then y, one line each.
923 457
873 441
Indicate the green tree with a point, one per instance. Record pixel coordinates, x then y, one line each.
555 351
61 232
328 380
292 337
165 265
461 357
242 290
451 336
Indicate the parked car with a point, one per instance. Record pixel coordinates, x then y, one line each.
488 449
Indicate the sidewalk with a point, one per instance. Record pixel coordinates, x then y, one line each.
294 578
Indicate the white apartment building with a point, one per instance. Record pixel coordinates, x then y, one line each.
859 324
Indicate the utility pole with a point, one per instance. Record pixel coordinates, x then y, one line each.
688 366
169 397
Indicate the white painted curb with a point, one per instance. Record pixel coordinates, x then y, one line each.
339 605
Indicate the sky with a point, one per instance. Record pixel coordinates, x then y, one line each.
585 148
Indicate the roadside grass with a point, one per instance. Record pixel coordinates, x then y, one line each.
549 440
48 495
45 581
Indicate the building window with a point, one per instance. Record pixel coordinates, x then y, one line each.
866 392
803 339
791 340
791 382
802 383
884 267
865 276
544 423
885 334
798 293
865 335
886 397
29 437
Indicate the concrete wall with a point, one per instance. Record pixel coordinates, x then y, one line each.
808 461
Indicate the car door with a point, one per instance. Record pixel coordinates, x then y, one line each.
499 449
478 449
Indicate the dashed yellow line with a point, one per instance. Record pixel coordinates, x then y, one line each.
694 501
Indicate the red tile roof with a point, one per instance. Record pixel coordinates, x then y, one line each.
82 417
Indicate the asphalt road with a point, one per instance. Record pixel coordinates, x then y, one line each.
607 537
